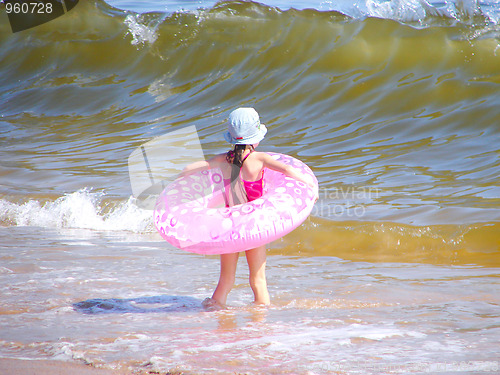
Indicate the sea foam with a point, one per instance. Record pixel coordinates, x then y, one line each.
82 209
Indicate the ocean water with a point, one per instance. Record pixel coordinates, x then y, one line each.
395 106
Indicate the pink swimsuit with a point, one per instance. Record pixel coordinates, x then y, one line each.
253 189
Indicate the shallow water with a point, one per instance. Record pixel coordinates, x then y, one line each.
393 105
129 301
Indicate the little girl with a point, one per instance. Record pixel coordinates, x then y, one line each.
243 169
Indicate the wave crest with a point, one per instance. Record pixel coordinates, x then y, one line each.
82 209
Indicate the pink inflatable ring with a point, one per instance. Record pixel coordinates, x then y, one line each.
190 212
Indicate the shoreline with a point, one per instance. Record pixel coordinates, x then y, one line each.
9 366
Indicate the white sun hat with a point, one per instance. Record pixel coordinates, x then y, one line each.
244 127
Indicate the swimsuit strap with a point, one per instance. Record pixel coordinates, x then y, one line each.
245 158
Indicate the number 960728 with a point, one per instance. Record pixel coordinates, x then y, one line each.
26 8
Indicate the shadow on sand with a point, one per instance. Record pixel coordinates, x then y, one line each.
156 304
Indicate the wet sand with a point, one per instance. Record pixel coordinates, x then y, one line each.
48 367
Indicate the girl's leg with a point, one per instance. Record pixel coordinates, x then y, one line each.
228 263
256 259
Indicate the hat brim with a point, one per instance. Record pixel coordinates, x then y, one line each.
228 138
256 138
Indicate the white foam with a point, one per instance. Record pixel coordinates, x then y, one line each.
414 10
141 33
404 10
82 209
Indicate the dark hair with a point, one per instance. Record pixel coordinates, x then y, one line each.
235 158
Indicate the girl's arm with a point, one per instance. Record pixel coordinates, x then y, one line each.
195 167
287 170
202 165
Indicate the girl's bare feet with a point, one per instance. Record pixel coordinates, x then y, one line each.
209 304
